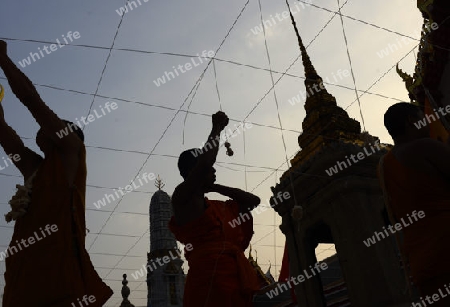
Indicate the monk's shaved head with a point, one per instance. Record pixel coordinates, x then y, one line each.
187 161
398 116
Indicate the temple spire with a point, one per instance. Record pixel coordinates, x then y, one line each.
125 293
310 71
325 121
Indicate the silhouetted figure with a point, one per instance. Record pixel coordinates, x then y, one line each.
217 232
47 264
416 174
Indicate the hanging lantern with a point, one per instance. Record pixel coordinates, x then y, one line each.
229 150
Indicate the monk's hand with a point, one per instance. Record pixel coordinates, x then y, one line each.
220 121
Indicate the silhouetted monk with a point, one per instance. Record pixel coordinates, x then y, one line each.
47 264
417 178
219 274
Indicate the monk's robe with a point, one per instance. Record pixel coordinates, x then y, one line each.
285 273
56 270
219 274
437 129
426 240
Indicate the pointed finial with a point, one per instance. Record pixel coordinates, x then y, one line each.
125 293
250 253
159 184
310 71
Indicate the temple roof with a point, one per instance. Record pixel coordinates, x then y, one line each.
262 278
433 53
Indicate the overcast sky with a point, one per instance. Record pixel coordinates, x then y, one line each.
155 38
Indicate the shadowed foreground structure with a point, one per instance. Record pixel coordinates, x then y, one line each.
346 206
343 207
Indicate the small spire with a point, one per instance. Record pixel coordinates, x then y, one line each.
310 71
125 293
159 184
324 122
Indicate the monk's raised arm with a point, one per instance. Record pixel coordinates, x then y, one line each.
196 178
26 160
25 91
247 201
